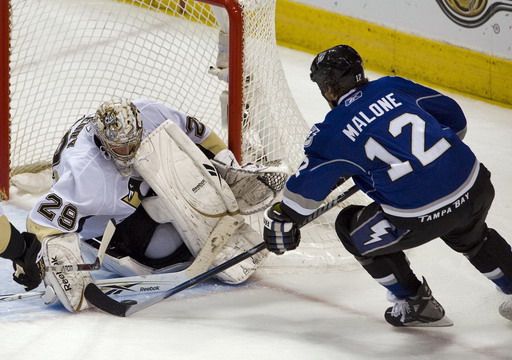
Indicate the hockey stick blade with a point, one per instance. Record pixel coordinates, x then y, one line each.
96 265
95 296
126 308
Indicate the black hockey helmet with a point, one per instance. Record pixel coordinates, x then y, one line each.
340 68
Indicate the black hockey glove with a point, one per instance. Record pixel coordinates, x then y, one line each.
280 232
29 267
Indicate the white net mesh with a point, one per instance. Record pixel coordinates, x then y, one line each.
67 56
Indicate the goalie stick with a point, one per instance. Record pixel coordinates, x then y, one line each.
143 284
123 286
102 301
96 265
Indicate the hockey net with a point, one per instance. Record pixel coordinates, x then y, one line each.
67 56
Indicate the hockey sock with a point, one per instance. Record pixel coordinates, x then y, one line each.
394 273
504 283
493 258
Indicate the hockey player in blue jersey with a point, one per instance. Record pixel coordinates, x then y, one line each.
401 143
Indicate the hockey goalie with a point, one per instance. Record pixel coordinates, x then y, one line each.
151 169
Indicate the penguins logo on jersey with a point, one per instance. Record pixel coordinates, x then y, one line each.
133 198
473 13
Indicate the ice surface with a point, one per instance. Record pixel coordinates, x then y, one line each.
333 315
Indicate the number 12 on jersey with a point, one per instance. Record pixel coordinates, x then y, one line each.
399 168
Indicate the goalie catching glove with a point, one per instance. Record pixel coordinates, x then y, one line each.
280 232
255 186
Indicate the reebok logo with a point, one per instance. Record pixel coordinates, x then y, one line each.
150 288
199 186
353 98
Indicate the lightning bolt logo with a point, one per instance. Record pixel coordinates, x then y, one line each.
379 229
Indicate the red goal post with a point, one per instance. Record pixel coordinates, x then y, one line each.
4 98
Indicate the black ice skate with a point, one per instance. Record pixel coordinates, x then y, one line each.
421 311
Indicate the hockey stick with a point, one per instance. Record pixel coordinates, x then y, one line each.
102 301
21 296
130 285
158 282
96 265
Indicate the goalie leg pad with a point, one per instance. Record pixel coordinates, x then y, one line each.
192 196
242 240
68 286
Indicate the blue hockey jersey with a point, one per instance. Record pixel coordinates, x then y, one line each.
398 140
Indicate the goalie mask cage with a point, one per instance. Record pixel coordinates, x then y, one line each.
67 56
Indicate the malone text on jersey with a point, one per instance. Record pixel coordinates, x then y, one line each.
376 109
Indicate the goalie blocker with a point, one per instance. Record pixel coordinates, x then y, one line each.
68 287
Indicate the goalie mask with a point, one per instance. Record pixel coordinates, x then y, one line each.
118 126
336 71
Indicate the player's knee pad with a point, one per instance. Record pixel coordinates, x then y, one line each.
343 226
366 231
68 287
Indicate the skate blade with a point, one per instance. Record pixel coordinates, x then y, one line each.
445 321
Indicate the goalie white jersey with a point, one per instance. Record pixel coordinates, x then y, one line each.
87 189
